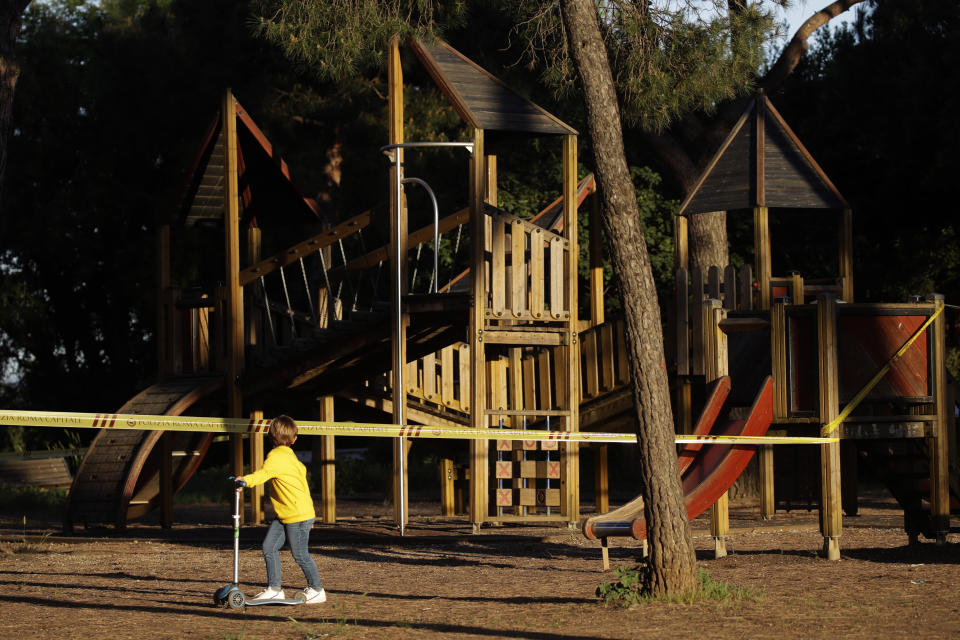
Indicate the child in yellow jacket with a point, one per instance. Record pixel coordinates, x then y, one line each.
293 506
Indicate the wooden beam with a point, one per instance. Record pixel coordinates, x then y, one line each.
421 235
846 255
778 358
939 444
532 338
831 514
596 263
601 478
681 243
255 446
571 469
448 476
478 369
761 253
715 367
327 464
309 246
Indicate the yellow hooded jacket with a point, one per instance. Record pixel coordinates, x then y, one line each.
289 492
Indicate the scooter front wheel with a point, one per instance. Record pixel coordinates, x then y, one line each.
237 600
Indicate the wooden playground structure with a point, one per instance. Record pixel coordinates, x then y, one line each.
300 318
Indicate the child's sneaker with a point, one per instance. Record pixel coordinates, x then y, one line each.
313 596
270 594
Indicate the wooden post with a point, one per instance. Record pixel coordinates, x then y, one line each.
572 458
831 516
716 366
601 482
254 341
778 360
166 479
846 254
681 243
596 263
478 370
448 476
398 228
796 287
233 322
325 463
939 445
601 479
255 447
761 253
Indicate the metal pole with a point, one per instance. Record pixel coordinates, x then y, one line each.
436 228
398 307
236 535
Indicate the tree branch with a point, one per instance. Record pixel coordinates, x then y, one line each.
791 54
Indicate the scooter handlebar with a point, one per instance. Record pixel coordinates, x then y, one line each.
236 482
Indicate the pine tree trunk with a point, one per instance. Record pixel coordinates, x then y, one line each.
11 19
672 559
708 240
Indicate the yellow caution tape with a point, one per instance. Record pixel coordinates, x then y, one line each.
236 425
831 426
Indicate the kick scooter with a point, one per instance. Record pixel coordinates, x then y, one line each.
230 594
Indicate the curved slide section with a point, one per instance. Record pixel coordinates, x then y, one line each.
706 471
119 478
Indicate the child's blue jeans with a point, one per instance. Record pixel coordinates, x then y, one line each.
297 534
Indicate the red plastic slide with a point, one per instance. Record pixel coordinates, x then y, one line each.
707 471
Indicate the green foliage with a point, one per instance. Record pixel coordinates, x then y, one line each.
112 103
656 215
668 59
30 499
875 104
336 38
630 589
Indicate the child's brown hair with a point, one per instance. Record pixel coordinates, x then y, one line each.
283 431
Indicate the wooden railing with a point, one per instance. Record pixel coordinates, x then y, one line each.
603 359
526 378
737 290
526 267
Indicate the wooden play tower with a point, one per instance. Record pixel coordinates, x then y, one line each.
820 347
281 323
523 300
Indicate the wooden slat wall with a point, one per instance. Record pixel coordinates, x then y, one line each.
729 184
525 284
789 180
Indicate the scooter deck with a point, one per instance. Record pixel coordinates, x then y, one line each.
255 603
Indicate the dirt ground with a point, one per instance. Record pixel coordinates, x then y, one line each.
440 581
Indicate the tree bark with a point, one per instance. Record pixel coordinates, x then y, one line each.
708 240
11 20
672 560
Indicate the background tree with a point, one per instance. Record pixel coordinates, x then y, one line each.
875 104
11 18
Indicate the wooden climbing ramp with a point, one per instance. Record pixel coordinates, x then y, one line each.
118 478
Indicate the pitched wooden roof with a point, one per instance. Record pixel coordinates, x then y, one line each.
267 191
482 100
762 163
